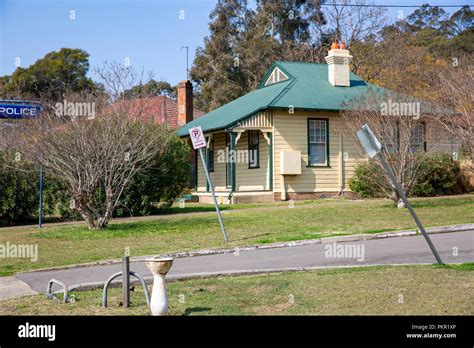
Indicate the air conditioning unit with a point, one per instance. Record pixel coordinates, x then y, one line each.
290 162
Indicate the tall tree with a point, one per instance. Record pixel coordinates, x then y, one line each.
444 37
244 42
216 68
290 20
151 88
460 21
50 76
279 30
427 17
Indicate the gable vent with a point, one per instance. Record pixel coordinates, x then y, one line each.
276 76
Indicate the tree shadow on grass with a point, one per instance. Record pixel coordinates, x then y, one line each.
188 311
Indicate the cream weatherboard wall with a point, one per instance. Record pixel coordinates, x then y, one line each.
291 133
256 179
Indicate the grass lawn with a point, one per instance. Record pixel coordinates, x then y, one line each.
383 290
70 244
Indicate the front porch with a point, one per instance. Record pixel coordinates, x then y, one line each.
239 161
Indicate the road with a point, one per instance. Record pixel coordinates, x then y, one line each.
456 247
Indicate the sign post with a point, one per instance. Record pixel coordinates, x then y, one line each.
199 142
373 147
19 109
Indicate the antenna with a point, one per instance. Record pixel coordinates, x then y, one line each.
187 61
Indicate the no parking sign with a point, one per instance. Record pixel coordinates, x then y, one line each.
199 141
197 137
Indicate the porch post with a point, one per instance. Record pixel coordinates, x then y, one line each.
270 157
207 161
195 171
232 136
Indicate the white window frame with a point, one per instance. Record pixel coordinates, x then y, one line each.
323 132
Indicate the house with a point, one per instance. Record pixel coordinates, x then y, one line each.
284 140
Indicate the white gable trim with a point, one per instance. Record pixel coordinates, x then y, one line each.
276 76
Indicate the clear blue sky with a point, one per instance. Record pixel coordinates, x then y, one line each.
148 32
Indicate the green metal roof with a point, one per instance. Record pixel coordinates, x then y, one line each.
237 109
307 88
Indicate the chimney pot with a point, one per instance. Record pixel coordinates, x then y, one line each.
338 60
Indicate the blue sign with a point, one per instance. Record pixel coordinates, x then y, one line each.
19 110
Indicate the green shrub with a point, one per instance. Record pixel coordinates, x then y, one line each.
157 187
359 183
443 177
147 193
19 193
19 198
57 199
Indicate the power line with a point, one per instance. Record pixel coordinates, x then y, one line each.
396 6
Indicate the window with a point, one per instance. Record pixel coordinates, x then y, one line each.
254 149
210 154
318 147
418 136
391 138
392 141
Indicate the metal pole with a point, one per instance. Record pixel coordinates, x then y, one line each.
126 281
187 63
408 205
40 223
40 213
213 196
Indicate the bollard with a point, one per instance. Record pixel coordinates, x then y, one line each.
159 267
126 281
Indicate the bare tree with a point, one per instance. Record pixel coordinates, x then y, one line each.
455 86
408 136
94 144
118 78
343 23
94 155
352 24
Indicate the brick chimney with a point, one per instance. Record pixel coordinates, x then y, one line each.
338 60
185 102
